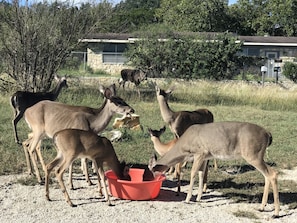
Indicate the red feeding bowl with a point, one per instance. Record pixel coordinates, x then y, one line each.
136 189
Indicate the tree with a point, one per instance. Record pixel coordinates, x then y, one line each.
278 18
194 15
258 17
290 71
131 15
189 56
35 41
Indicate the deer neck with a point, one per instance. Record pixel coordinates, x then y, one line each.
56 91
101 118
166 112
160 147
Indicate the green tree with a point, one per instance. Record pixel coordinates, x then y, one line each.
35 41
190 56
194 15
278 18
259 17
290 71
131 15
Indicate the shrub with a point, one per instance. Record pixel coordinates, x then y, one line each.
290 71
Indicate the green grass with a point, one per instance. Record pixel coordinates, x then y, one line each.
272 107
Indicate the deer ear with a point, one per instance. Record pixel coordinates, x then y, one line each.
108 93
56 78
157 89
152 162
171 89
102 89
113 89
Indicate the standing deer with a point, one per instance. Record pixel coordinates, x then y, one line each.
224 140
74 143
162 148
180 121
21 100
135 76
47 117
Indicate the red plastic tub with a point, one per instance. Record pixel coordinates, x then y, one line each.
136 189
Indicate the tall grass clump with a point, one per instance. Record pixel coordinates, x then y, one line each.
271 97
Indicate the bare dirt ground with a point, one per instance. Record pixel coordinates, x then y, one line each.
20 203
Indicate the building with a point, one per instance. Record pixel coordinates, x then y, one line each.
105 50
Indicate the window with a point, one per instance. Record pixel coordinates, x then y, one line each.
113 53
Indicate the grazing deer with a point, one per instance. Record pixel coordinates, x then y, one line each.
21 100
162 148
224 140
47 117
74 143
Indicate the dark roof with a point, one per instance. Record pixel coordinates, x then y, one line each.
114 36
268 39
248 40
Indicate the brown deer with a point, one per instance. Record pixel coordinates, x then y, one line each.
224 140
21 100
74 143
47 117
180 121
162 148
135 76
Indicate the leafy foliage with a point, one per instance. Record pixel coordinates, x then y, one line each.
290 71
194 15
187 56
36 43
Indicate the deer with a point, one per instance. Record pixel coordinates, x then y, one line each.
162 148
225 141
21 100
47 117
180 121
75 143
135 76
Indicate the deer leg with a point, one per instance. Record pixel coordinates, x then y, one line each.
84 163
70 180
38 151
59 174
48 170
205 176
215 164
17 118
202 179
26 145
198 161
102 178
99 179
270 176
178 176
273 181
33 144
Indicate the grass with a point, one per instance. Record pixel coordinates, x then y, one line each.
273 107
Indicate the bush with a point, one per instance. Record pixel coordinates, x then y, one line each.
290 71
